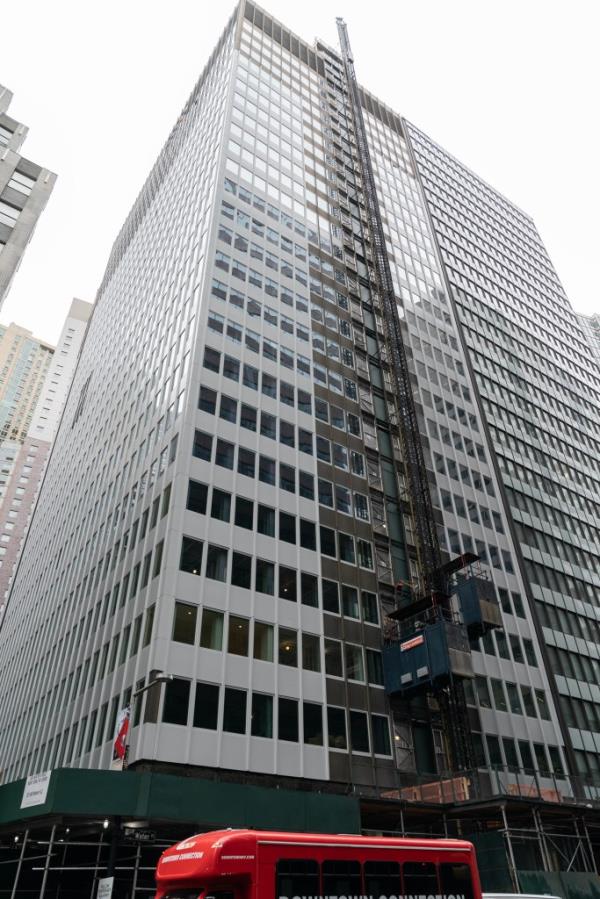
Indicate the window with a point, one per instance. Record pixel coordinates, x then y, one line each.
246 462
382 879
333 658
288 719
297 877
266 470
184 623
239 630
287 477
455 879
177 699
359 732
207 401
266 521
265 577
202 446
336 730
216 563
231 368
263 641
313 723
309 590
206 706
220 505
347 553
234 711
287 527
288 647
191 555
228 409
224 454
341 878
248 417
381 735
421 876
261 719
241 570
327 541
308 534
211 632
355 669
287 583
212 359
244 513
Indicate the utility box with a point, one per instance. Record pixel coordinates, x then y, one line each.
478 605
427 659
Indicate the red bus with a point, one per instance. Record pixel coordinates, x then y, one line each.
248 864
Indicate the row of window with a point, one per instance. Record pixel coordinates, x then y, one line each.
508 646
302 877
263 642
282 355
507 696
260 229
279 429
288 394
221 291
261 715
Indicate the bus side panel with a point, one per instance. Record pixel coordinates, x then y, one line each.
266 860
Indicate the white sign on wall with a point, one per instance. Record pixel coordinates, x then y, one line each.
36 789
105 887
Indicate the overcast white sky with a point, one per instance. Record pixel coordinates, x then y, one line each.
509 86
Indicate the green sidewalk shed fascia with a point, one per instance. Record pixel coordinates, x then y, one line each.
166 797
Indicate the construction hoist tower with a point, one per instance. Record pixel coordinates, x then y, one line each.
427 645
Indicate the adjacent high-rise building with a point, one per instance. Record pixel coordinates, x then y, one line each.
24 363
24 462
591 328
330 459
24 191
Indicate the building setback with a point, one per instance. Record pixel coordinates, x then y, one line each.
24 191
22 478
230 498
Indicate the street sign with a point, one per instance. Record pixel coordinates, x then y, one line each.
105 888
139 834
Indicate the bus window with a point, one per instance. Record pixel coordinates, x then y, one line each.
297 877
456 880
382 879
420 878
341 878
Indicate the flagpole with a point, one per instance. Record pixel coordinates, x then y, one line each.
124 721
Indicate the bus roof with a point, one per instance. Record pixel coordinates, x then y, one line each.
233 852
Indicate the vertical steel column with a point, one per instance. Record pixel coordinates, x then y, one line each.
97 865
542 841
138 852
591 848
19 865
42 892
511 855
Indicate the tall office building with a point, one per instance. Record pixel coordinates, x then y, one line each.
24 363
24 191
327 367
25 462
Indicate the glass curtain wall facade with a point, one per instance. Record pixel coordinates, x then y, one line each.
538 388
225 500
